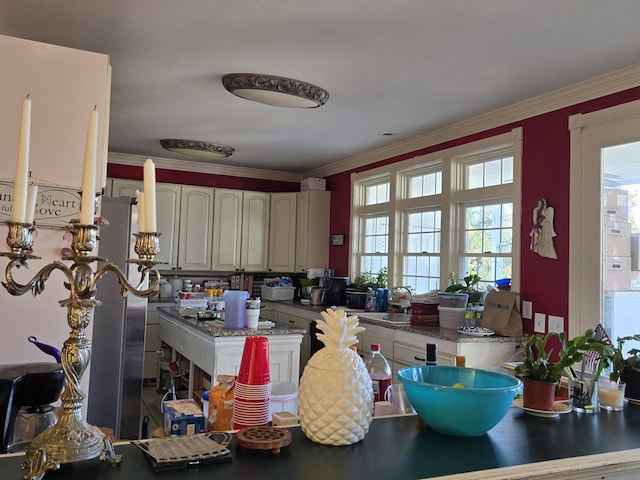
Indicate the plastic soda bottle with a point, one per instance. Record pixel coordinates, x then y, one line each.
379 371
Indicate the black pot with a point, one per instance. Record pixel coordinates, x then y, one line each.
632 379
356 299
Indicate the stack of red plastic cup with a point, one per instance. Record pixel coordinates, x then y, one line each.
253 385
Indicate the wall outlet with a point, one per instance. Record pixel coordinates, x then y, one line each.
527 309
539 322
556 324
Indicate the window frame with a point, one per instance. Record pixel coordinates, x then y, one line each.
452 163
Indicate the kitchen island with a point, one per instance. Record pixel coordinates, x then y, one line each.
206 349
569 446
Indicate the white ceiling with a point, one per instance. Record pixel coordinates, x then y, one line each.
403 66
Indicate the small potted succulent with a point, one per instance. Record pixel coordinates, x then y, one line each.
540 375
625 368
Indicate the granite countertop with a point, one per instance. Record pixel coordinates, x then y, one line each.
430 331
210 328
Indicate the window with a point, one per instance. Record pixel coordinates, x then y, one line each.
488 234
452 211
376 243
421 257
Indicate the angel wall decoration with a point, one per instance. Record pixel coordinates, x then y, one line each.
543 232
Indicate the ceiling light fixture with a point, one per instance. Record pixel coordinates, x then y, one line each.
276 91
193 148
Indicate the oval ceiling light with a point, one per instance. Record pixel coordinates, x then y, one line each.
276 91
193 148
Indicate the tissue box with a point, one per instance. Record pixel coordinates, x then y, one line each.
182 417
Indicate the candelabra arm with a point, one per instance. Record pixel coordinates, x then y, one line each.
37 283
126 287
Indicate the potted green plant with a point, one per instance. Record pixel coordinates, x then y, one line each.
625 368
370 280
471 287
540 375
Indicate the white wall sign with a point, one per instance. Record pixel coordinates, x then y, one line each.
55 205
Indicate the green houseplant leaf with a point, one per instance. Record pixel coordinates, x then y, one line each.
537 365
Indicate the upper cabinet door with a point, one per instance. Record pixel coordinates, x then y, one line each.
312 235
125 188
168 203
167 222
282 232
227 229
196 228
255 231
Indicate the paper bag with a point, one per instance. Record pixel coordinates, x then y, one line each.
221 404
501 314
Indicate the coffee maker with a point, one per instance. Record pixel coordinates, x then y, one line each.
27 391
337 293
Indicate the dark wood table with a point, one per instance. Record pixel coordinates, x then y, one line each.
395 448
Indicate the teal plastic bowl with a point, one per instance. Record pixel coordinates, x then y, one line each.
469 411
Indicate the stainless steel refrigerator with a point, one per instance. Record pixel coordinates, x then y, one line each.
117 353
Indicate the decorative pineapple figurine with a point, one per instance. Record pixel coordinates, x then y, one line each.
335 398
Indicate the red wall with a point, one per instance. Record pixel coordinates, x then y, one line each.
545 173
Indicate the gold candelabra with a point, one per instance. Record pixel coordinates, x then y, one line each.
71 439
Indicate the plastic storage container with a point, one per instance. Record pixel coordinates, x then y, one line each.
277 293
451 317
450 299
284 397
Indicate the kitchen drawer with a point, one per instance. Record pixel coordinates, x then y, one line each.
376 334
409 354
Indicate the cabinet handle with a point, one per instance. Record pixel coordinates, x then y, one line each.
420 359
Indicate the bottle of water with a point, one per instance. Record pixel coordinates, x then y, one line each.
379 371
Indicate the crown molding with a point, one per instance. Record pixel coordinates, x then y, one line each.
596 87
200 167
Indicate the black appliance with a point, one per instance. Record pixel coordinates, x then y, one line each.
356 299
26 392
336 295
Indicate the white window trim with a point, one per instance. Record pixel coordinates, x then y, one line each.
589 133
448 252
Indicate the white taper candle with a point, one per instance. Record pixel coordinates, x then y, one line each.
19 208
31 203
88 201
142 227
150 195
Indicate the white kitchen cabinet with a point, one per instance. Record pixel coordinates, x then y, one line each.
312 229
196 228
410 348
305 345
376 334
168 207
240 230
222 355
284 357
227 229
282 232
255 231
